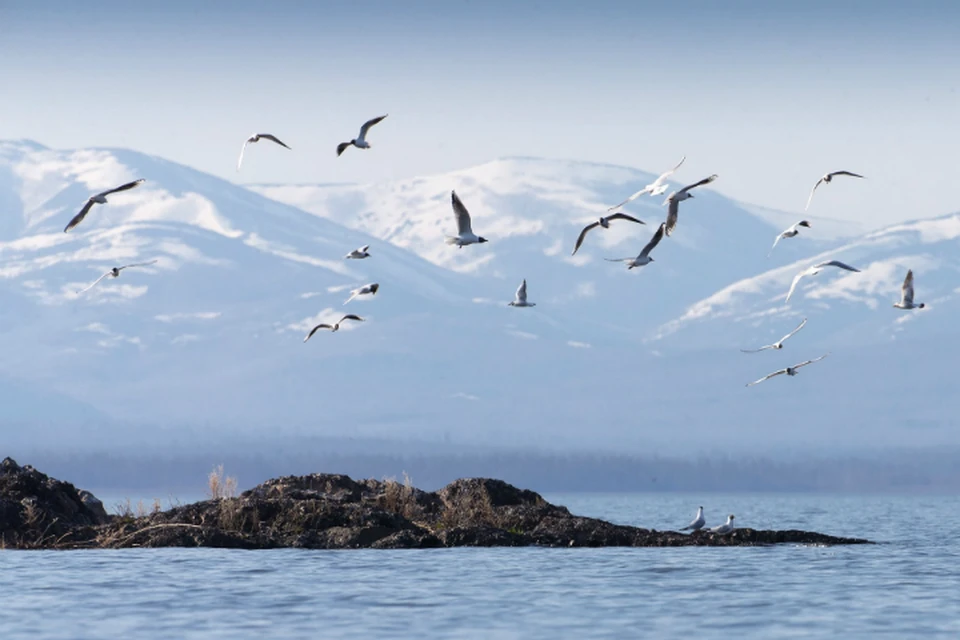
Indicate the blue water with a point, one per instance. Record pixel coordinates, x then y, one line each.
909 586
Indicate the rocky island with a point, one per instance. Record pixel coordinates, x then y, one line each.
330 511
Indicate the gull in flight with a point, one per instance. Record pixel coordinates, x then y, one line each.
697 523
794 230
256 138
814 270
655 188
827 178
790 371
115 273
360 142
358 254
100 198
906 294
521 298
779 343
724 528
367 289
465 234
604 222
644 257
675 198
333 327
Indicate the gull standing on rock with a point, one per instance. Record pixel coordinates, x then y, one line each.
360 142
465 234
826 179
794 230
333 327
115 273
100 198
814 270
644 257
358 254
520 300
604 222
779 343
674 199
790 371
367 289
697 523
655 188
256 138
906 294
724 528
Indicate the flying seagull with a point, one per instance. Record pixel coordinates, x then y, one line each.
115 273
675 198
697 523
602 222
100 198
779 343
333 327
367 289
814 270
828 178
644 257
724 528
358 254
256 138
465 234
906 294
521 298
360 142
789 233
655 188
790 371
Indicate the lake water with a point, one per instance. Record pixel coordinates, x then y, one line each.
909 586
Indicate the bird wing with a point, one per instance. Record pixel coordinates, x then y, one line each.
646 189
700 183
315 329
350 316
654 241
906 291
369 123
463 216
774 244
793 285
837 263
764 348
630 259
789 335
242 149
353 294
522 291
583 234
803 364
667 174
136 264
623 216
123 187
767 377
270 136
673 208
342 147
364 248
94 283
812 191
845 173
77 219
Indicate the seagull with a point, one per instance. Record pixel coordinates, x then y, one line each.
828 178
789 233
602 222
256 138
358 254
675 198
521 298
814 270
697 523
779 343
115 273
366 289
100 198
790 371
644 257
655 188
333 327
724 528
906 294
360 142
465 234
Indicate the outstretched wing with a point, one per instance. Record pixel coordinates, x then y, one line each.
845 173
837 263
793 285
369 123
341 147
463 216
270 136
136 264
623 216
350 316
803 364
242 149
769 346
583 234
767 377
906 291
780 235
700 183
317 328
94 283
522 291
77 219
812 191
673 208
667 174
123 187
654 241
364 248
789 335
353 294
632 198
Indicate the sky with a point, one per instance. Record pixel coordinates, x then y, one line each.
768 95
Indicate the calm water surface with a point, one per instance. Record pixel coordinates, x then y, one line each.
909 586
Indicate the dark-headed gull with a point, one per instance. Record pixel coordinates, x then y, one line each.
794 230
360 142
465 234
115 273
655 188
256 138
779 343
906 294
644 257
674 199
790 371
520 300
100 198
604 222
827 178
697 523
726 527
358 254
332 327
367 289
814 270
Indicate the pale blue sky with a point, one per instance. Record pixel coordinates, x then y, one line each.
768 95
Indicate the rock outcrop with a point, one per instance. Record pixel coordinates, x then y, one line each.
328 511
